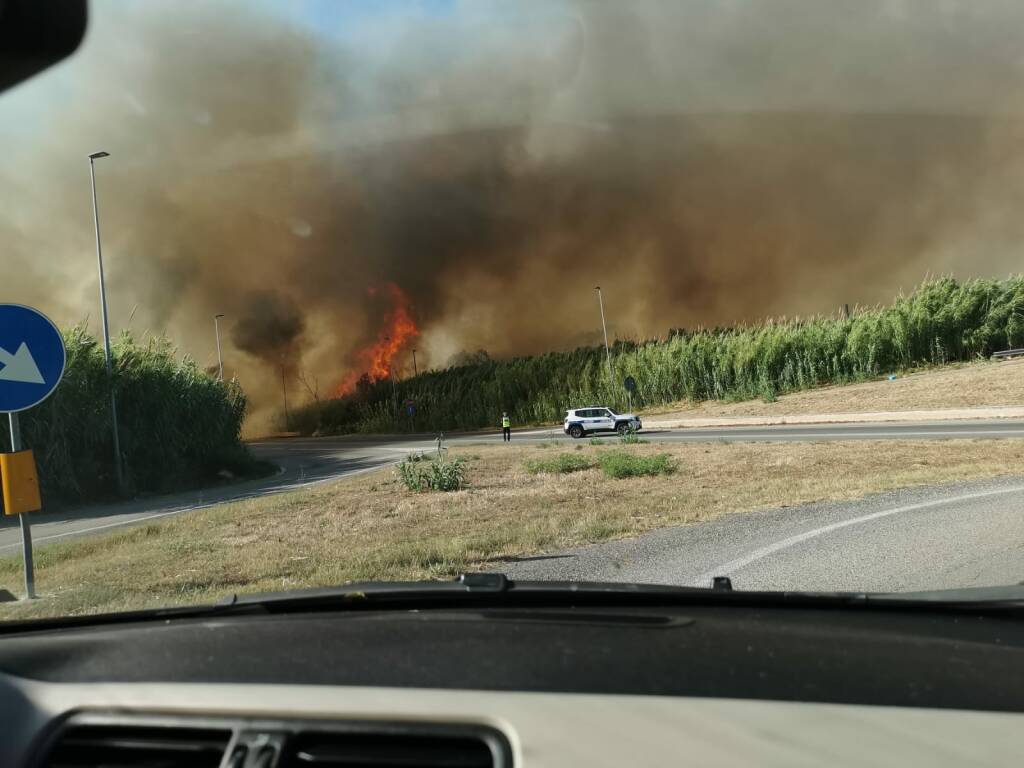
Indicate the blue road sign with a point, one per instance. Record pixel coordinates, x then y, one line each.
32 357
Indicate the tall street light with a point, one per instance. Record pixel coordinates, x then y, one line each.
284 395
220 358
607 351
106 325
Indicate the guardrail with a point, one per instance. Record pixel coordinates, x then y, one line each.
1008 354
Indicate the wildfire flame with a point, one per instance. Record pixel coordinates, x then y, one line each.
377 359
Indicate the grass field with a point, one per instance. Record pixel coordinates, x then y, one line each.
371 527
969 385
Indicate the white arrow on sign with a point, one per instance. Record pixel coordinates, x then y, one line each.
20 366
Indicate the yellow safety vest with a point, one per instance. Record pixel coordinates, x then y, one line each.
506 422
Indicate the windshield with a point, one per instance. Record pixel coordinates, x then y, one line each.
354 261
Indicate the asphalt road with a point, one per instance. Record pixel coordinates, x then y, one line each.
961 535
305 461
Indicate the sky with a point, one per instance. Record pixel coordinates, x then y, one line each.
706 163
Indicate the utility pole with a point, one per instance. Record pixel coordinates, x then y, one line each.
220 357
119 473
604 326
284 394
391 373
415 370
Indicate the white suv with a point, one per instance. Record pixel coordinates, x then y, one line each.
580 421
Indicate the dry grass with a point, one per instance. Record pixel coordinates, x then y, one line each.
370 527
965 386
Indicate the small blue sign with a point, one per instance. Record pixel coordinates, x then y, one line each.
32 357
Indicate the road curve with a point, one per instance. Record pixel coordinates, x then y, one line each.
304 461
937 537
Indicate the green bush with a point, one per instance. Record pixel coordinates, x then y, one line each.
178 426
410 472
420 473
561 464
943 321
620 464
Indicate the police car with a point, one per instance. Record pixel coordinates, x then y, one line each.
581 421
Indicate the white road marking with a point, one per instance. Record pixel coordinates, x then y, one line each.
194 507
731 567
17 545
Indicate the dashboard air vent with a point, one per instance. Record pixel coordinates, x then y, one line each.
126 746
394 750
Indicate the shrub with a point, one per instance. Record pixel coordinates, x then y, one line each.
562 464
446 475
409 472
620 464
422 473
178 426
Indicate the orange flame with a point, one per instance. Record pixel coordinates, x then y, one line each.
376 360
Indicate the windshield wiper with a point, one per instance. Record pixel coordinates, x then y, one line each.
1009 596
469 590
497 590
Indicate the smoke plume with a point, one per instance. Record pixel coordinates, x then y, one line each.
269 328
705 163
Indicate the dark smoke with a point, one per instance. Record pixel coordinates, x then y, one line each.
706 163
269 328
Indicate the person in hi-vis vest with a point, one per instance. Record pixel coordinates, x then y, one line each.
506 427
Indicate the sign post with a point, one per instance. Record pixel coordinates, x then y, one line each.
26 527
32 360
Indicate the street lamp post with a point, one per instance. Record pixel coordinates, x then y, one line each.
106 326
220 358
284 396
604 326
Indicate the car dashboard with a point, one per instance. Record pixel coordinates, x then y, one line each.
529 686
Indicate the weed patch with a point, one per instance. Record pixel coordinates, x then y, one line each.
621 464
562 464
